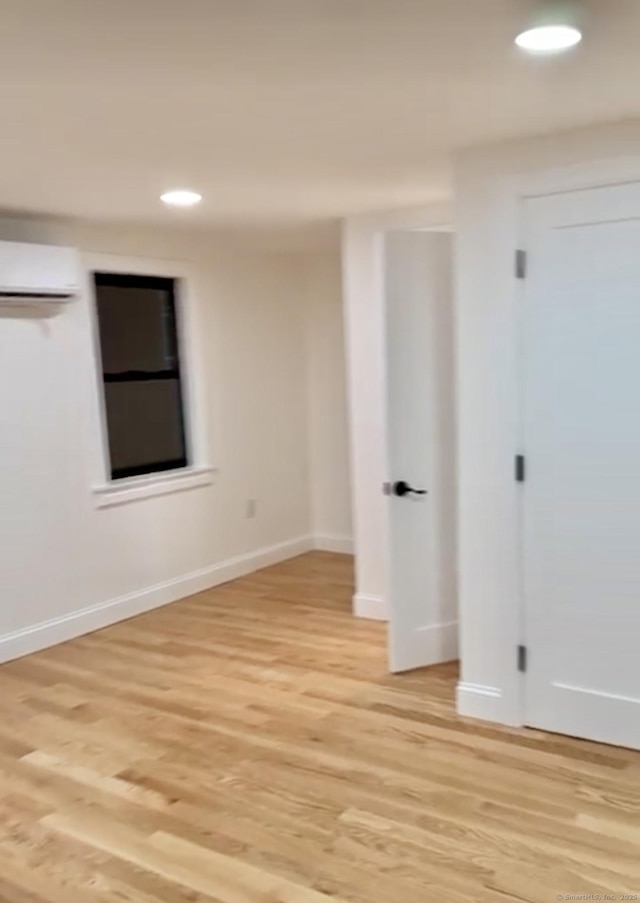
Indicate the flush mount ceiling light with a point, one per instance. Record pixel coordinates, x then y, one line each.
181 197
549 38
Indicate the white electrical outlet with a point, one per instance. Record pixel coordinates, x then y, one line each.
251 509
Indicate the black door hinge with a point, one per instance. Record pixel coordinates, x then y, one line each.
520 468
522 659
521 264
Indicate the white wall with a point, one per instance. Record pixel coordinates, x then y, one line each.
67 566
328 417
489 183
364 312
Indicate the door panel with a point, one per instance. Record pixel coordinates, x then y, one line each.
581 499
420 429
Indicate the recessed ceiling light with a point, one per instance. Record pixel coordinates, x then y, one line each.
549 38
181 197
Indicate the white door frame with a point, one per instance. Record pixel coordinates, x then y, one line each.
556 181
365 344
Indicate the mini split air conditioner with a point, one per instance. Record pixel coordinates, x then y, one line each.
37 274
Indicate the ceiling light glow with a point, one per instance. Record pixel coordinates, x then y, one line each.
181 197
549 38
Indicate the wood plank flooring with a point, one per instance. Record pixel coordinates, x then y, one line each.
247 744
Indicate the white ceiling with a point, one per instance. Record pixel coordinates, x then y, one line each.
281 111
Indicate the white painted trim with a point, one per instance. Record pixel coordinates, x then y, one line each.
373 608
59 630
329 543
484 703
580 177
137 488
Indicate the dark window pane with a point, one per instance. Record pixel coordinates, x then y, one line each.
144 426
141 370
137 323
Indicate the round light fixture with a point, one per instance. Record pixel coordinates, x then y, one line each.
549 38
181 197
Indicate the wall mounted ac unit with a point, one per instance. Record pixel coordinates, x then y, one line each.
37 274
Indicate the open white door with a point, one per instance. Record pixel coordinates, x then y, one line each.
420 447
581 495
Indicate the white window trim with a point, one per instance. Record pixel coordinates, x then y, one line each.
121 492
200 472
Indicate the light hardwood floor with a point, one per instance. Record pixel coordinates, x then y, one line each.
248 744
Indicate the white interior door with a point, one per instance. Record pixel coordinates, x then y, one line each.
420 430
581 496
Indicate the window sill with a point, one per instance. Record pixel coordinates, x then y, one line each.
137 488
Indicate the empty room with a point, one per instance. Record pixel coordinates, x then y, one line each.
319 502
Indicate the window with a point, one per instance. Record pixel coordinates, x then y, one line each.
143 392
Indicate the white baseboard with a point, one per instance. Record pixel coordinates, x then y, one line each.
331 543
371 607
476 701
59 630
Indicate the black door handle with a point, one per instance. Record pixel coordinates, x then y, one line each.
401 488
